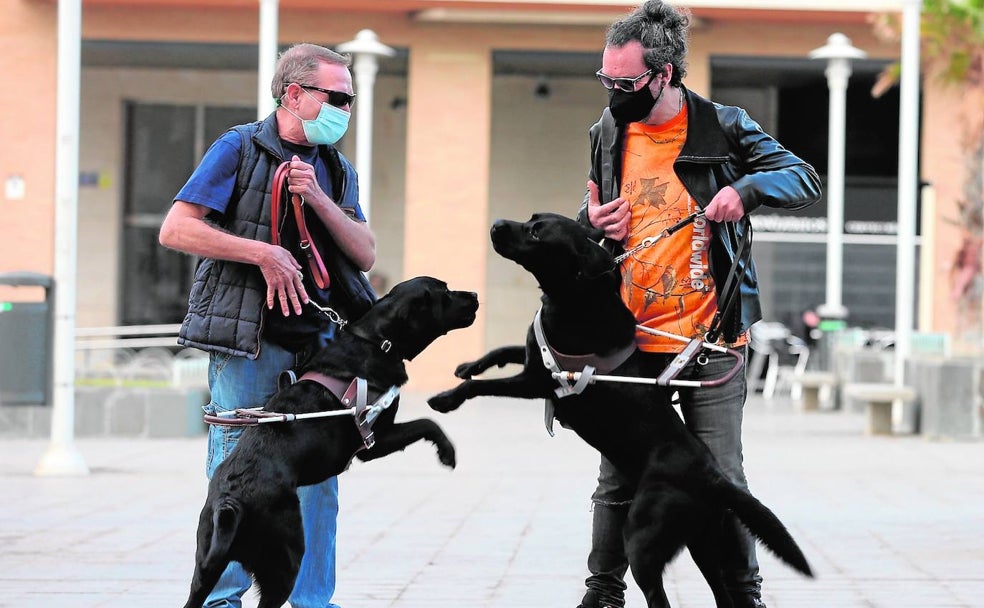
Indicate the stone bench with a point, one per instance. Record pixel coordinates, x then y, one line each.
811 385
878 398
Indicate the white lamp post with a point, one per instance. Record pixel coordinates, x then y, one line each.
838 52
62 456
267 59
366 49
908 178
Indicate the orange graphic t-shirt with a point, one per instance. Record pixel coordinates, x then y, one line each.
667 286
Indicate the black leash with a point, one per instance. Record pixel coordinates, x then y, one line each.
732 285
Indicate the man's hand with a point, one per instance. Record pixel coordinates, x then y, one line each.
302 180
611 217
726 206
284 280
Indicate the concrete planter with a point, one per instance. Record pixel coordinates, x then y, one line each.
117 412
950 398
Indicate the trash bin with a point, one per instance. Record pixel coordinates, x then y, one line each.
25 341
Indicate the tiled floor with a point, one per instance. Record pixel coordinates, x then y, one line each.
886 522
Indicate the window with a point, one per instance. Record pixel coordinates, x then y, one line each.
163 145
790 99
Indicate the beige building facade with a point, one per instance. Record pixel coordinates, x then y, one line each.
483 113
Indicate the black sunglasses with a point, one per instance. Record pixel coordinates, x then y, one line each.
626 85
335 98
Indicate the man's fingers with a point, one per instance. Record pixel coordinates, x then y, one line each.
283 303
593 192
299 286
295 300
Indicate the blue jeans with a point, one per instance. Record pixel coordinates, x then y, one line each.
713 414
237 382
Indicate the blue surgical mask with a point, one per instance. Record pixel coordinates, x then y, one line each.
327 127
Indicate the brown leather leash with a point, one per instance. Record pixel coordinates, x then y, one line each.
318 271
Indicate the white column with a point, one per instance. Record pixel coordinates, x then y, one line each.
366 50
908 184
267 58
62 456
838 52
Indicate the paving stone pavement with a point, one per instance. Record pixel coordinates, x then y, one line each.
886 522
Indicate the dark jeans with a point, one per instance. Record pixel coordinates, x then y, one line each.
712 414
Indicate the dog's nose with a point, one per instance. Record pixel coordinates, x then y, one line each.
497 225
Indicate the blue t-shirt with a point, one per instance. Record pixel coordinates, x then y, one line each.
213 185
214 180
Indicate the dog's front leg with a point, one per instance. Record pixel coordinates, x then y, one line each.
520 386
401 434
498 357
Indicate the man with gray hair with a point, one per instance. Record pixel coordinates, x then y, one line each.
252 304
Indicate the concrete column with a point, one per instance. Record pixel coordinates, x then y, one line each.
267 59
447 187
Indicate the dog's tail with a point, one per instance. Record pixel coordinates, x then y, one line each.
765 526
226 517
214 553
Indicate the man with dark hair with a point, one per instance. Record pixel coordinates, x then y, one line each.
661 153
251 302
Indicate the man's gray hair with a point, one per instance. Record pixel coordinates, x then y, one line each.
300 63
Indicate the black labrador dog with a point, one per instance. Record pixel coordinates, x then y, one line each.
682 492
252 514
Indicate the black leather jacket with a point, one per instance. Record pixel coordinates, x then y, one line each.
724 147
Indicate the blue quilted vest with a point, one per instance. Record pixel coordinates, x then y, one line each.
227 305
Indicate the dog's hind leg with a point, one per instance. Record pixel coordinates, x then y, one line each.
208 565
276 581
398 436
208 571
278 560
705 549
202 583
656 530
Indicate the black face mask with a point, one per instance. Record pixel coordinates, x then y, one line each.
632 107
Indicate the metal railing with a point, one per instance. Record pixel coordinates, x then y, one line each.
140 354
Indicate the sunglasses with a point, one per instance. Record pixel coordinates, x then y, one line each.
335 98
626 85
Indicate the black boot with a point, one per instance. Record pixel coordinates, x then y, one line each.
606 562
740 564
748 601
590 600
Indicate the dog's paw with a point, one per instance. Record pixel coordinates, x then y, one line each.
466 370
446 454
444 402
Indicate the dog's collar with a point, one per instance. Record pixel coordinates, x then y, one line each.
559 362
384 345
